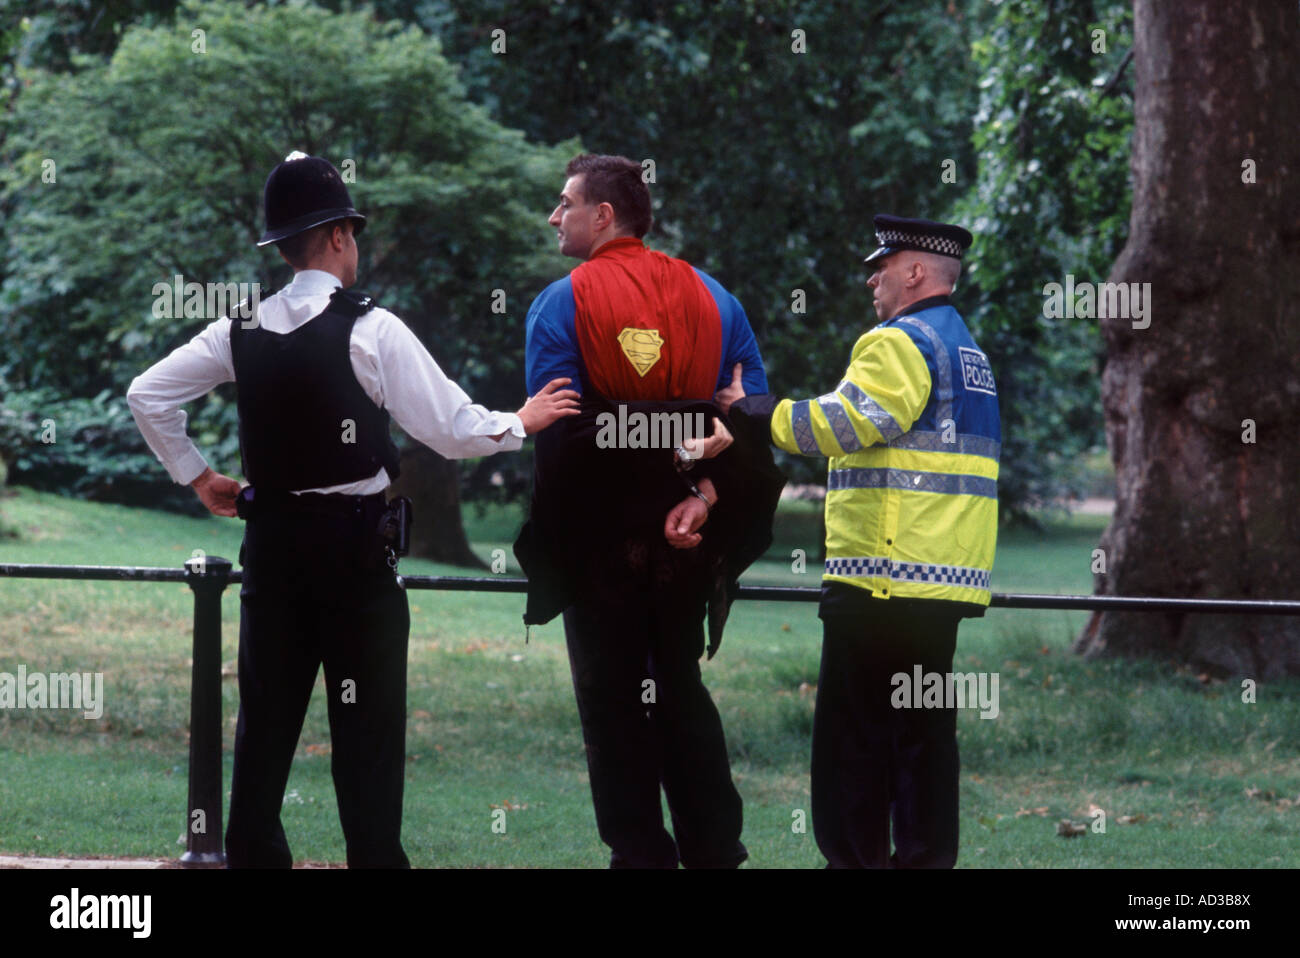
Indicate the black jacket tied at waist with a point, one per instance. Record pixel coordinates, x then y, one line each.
585 497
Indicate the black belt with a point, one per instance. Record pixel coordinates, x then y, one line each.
255 502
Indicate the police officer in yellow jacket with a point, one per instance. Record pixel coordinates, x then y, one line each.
913 436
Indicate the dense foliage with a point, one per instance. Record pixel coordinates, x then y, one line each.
1051 199
776 129
129 171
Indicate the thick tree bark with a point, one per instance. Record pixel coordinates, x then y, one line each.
432 484
1201 510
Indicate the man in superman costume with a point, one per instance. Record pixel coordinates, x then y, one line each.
629 545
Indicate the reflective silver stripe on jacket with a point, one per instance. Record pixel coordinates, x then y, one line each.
965 444
913 480
838 418
801 422
872 410
882 567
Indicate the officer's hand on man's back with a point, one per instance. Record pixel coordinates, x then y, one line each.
217 492
548 405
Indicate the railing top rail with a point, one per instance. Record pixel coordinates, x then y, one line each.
1000 600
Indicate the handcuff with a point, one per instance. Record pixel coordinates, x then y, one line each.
695 491
684 462
395 532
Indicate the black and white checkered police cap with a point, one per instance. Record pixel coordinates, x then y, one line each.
895 233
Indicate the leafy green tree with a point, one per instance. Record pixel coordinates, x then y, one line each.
770 163
1051 200
53 33
129 171
777 130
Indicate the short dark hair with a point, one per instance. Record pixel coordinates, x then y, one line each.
615 180
301 248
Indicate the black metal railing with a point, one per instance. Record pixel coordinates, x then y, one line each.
208 577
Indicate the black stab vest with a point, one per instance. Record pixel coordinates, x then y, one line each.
295 391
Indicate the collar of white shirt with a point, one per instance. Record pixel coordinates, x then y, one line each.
301 300
312 282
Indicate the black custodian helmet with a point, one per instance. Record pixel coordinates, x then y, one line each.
302 192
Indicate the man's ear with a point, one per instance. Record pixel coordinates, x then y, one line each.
604 216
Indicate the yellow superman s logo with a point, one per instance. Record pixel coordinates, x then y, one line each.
642 347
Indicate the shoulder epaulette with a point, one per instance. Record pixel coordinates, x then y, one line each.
351 302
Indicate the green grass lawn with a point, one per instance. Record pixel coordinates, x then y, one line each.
1187 774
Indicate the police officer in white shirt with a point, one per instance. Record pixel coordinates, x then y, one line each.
319 370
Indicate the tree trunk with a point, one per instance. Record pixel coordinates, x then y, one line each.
432 485
1203 406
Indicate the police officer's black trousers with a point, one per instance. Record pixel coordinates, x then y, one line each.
635 638
872 762
314 593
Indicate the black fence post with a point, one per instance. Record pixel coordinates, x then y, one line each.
207 577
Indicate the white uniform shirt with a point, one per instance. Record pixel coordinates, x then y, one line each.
390 363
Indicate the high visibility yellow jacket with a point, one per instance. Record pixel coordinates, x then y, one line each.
913 437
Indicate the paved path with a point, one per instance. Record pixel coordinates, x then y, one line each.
25 861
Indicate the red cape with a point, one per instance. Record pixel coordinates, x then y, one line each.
647 326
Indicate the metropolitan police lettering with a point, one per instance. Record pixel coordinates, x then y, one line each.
976 373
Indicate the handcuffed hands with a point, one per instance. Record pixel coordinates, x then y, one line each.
681 527
683 521
708 447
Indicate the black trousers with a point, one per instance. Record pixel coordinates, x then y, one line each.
315 591
872 763
635 638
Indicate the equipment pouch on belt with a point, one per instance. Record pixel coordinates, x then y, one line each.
244 502
395 526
